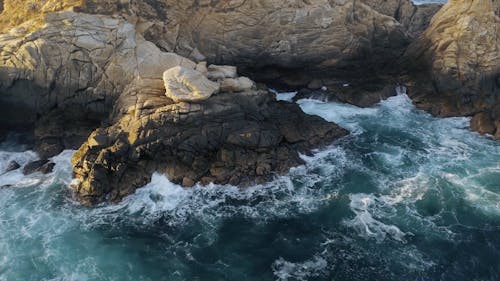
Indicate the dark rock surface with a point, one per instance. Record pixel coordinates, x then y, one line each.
233 138
359 92
43 166
13 165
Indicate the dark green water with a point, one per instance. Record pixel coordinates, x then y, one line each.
405 197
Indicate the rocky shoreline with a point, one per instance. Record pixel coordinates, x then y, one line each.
147 86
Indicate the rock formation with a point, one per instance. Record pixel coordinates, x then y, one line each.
287 40
233 138
269 40
456 64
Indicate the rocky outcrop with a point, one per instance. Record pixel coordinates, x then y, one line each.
456 64
42 166
65 77
156 111
229 138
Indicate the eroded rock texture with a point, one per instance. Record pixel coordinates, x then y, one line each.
271 39
456 64
414 18
66 76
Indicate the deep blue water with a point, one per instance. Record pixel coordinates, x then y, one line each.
406 197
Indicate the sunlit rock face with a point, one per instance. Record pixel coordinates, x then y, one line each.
74 68
16 12
459 61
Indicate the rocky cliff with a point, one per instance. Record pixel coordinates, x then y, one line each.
291 42
456 64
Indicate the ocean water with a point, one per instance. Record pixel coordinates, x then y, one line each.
405 197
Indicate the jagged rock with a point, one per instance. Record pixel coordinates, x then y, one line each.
43 166
13 165
234 85
34 166
189 85
217 72
455 64
234 138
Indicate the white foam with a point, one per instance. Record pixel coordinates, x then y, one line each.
163 198
476 195
285 270
343 114
286 96
16 178
364 222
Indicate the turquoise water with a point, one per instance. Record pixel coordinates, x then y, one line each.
406 197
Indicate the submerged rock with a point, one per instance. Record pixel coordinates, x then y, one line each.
13 165
43 166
